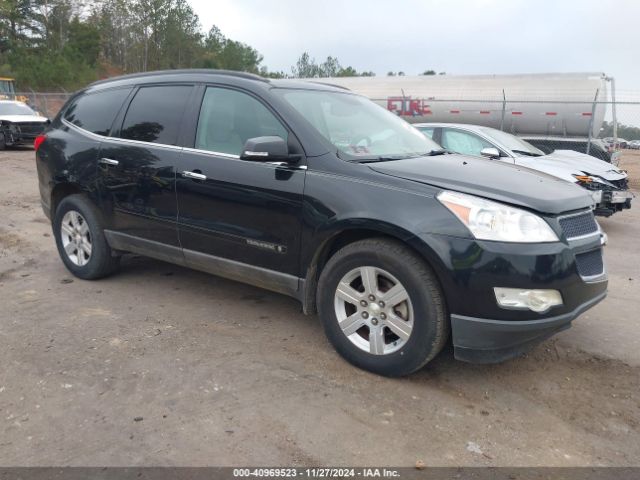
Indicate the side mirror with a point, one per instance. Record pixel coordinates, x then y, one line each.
265 149
490 152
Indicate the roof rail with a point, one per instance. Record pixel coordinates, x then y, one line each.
328 84
210 71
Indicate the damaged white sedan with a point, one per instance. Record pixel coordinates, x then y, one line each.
607 184
19 124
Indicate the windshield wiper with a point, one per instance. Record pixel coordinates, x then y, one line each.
433 153
528 154
403 156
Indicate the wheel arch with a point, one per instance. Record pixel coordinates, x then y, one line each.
353 233
60 191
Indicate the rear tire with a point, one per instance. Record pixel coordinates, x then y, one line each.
3 142
382 307
79 234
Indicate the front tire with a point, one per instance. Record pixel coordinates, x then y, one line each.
382 308
80 239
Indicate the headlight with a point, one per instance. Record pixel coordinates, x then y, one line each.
589 181
489 220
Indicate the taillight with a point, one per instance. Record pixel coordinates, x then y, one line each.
38 141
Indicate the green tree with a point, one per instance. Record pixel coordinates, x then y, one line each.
83 41
305 67
628 132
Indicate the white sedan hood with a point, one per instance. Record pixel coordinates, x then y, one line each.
23 118
567 163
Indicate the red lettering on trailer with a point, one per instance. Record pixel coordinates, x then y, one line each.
454 111
407 106
484 112
551 113
516 113
586 114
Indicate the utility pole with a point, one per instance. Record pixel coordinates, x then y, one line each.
613 110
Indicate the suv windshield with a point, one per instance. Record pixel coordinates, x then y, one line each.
513 143
15 109
357 127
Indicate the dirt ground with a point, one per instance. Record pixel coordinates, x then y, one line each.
159 365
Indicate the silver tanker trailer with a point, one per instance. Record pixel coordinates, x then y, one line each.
555 104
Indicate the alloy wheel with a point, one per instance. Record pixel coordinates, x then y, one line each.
76 238
374 310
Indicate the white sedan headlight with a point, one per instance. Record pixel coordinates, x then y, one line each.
489 220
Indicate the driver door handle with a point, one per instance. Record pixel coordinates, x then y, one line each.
194 175
109 161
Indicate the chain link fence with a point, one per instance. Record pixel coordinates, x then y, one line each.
47 104
603 129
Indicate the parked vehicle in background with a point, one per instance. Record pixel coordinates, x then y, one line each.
315 192
607 184
615 143
597 148
634 145
19 124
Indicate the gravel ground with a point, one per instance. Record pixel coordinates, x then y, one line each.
159 365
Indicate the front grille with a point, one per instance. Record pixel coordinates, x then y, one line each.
622 184
590 263
578 225
30 127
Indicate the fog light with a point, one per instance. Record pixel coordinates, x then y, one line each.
522 299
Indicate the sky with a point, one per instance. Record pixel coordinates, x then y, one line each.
454 36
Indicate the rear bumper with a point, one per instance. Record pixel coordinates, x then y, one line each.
480 340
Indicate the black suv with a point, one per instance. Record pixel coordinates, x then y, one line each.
318 193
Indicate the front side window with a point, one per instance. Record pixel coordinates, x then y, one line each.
463 142
357 127
228 118
96 112
155 114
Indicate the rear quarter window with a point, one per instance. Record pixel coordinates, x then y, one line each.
95 112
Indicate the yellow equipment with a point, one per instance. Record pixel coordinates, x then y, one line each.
8 90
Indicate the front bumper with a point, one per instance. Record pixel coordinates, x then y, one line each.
479 340
609 202
482 331
12 138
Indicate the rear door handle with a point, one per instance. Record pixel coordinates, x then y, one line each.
109 161
194 175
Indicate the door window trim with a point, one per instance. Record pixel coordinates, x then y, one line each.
102 138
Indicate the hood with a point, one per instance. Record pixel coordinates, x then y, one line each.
23 118
490 179
566 163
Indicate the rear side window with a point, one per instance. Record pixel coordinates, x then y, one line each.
95 112
155 114
228 118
